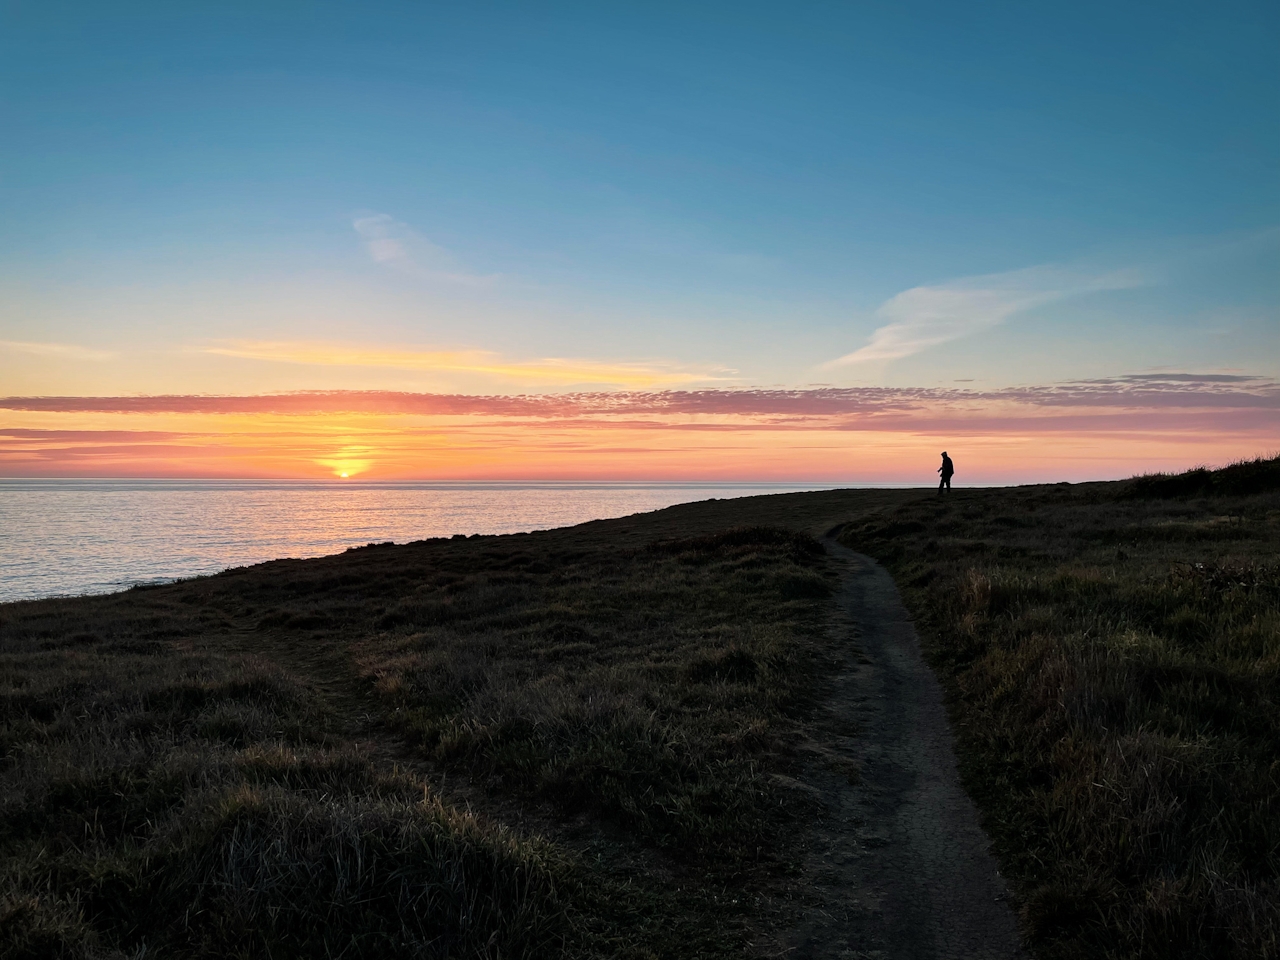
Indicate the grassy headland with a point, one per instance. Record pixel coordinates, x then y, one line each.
242 764
574 742
1112 655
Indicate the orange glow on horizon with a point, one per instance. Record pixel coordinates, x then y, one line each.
652 437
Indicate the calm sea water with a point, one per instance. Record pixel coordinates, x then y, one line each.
61 537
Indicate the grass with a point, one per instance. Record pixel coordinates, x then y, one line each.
242 765
1245 478
194 805
1112 655
648 686
578 742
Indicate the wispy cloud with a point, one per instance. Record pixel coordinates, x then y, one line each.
549 370
65 351
924 317
398 245
853 406
80 436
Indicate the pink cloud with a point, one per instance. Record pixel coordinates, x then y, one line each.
1175 391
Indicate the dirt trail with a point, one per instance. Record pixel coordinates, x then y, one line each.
898 867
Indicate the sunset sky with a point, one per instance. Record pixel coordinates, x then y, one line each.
757 242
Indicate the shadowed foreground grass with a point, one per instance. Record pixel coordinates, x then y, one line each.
192 804
218 767
646 687
1112 654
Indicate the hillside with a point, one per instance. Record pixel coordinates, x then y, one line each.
589 741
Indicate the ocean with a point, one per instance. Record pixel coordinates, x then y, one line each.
71 537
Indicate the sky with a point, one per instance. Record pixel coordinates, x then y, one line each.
688 241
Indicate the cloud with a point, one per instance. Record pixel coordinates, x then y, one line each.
1171 390
398 245
924 317
77 436
68 351
1179 393
1106 427
550 370
1183 378
1123 421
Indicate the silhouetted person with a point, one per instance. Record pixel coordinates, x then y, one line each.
947 470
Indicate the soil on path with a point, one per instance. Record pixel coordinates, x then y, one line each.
898 866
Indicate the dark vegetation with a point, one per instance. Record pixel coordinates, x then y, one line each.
1112 654
1243 479
647 687
570 743
259 763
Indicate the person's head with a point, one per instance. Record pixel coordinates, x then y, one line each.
944 453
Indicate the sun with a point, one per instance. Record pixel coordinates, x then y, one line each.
347 464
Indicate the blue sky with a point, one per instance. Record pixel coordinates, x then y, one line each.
740 194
